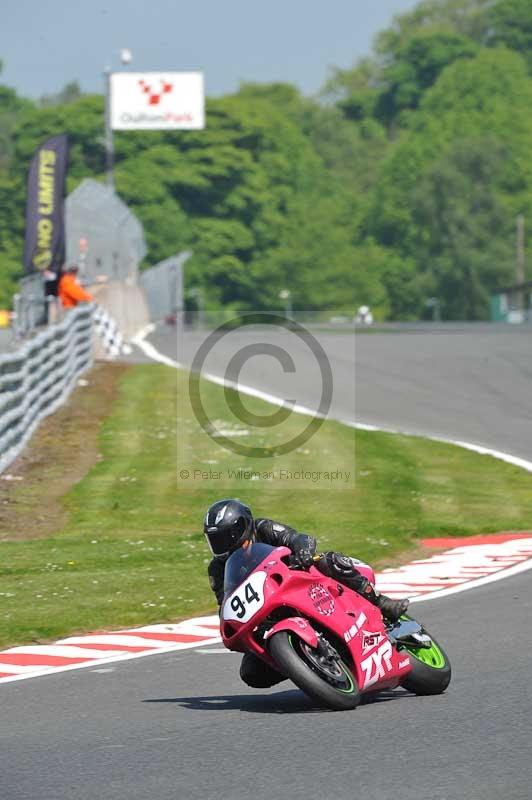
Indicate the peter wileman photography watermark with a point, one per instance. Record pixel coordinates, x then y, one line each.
277 385
302 474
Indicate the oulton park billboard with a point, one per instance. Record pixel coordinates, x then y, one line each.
157 101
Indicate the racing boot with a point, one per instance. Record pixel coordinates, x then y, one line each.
391 610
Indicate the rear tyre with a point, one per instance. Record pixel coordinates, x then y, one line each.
324 678
431 670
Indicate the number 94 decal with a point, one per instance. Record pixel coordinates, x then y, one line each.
246 600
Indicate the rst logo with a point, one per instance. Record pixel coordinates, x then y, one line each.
376 665
370 641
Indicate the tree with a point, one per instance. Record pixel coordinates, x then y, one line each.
415 68
468 18
11 233
11 105
68 94
470 97
464 233
511 25
408 57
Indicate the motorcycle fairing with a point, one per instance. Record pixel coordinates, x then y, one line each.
298 625
321 602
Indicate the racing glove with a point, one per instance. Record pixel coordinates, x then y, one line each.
303 550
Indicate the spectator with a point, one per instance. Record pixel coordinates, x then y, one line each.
70 291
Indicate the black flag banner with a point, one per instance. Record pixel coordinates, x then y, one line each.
45 225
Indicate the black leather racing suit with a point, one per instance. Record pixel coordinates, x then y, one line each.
253 671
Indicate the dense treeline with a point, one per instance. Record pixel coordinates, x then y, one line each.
400 183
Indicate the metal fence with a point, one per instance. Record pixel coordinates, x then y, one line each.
30 306
33 310
37 378
103 236
163 286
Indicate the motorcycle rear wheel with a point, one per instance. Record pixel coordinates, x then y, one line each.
431 670
329 682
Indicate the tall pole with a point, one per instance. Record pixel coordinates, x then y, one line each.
286 295
289 312
520 261
520 250
109 144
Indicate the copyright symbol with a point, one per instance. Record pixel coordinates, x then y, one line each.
184 474
231 383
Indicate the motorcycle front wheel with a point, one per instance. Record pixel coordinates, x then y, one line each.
325 678
431 669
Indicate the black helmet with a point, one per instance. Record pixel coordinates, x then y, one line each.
227 525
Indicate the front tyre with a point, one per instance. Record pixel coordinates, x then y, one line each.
325 678
431 670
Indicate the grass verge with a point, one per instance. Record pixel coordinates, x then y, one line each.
124 545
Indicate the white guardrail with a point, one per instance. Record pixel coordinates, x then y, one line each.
37 378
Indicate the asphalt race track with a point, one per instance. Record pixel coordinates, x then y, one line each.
474 386
184 726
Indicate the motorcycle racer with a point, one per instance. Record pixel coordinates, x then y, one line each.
229 524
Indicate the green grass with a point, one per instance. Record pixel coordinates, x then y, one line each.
132 551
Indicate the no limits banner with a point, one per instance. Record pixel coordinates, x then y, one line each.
45 222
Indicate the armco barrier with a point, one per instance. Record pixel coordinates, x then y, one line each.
37 378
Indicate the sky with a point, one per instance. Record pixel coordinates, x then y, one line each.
45 44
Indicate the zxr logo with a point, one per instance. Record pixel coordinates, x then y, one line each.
377 664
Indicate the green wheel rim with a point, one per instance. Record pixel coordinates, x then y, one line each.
350 689
431 656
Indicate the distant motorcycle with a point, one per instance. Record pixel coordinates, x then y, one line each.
326 638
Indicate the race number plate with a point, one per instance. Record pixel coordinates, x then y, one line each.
246 600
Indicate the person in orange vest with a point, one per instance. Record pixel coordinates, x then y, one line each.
70 291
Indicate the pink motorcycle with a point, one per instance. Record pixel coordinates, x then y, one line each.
327 639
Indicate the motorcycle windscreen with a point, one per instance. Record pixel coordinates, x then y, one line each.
242 562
